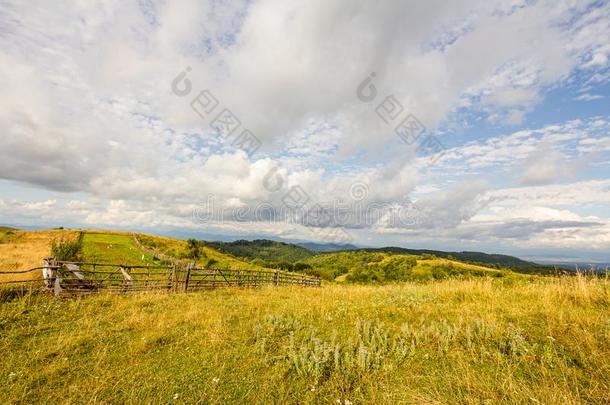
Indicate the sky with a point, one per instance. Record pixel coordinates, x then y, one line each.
471 125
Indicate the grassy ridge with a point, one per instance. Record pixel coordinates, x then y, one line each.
457 341
263 249
364 266
479 258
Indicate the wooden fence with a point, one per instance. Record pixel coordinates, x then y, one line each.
80 278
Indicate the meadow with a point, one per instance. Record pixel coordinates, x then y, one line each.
485 340
453 332
21 250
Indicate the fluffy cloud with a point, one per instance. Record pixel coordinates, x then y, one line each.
87 104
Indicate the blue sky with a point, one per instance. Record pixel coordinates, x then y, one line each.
208 117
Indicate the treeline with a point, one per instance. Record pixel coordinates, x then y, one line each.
282 265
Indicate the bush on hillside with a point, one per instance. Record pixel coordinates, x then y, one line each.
66 250
193 249
300 266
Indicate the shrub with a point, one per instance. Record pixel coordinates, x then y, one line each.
299 266
66 250
281 266
193 251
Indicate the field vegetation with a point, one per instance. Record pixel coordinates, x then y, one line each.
22 250
384 328
379 267
484 340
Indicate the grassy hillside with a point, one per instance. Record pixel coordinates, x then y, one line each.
267 250
179 249
25 249
364 266
114 248
531 340
21 250
494 260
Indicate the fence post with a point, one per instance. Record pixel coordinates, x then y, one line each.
188 277
172 280
276 277
47 272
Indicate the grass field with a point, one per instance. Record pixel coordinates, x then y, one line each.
113 248
455 333
21 250
531 340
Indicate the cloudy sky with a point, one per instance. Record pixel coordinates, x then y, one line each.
456 125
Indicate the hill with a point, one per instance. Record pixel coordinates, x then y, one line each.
274 251
356 266
498 260
326 247
363 266
264 249
21 250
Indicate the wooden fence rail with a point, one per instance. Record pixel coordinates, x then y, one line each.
82 278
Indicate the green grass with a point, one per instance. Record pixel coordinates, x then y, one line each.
485 340
113 248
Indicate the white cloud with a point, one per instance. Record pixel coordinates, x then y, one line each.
588 97
87 103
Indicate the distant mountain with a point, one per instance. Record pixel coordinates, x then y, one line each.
264 249
326 247
580 265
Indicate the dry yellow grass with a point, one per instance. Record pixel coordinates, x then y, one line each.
479 341
23 250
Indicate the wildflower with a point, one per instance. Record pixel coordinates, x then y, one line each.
215 380
12 376
347 402
176 396
312 389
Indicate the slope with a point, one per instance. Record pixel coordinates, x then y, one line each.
264 249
